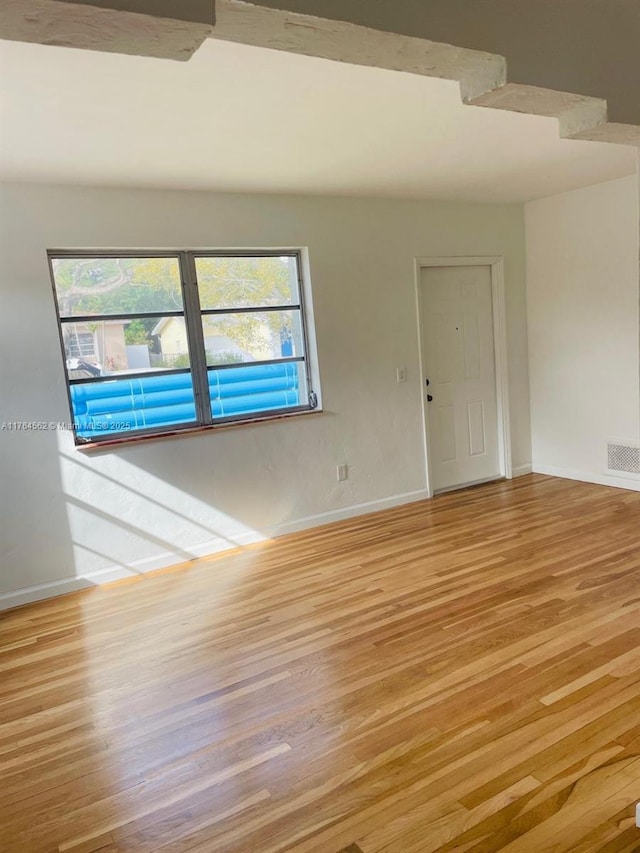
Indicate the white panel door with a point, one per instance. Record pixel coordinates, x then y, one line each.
459 363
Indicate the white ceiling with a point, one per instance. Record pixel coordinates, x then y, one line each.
242 118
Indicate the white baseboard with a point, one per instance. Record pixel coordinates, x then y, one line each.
347 512
628 481
41 591
521 470
205 549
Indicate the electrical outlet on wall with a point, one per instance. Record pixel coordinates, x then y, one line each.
342 473
401 374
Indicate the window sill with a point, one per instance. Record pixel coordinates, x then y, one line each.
111 443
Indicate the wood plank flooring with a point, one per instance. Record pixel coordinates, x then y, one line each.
461 674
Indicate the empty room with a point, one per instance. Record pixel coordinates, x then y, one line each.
320 426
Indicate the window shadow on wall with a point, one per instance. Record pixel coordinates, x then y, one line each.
124 521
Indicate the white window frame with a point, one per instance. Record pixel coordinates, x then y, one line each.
193 316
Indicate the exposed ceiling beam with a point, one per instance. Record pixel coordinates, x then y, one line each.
174 29
482 75
160 28
589 47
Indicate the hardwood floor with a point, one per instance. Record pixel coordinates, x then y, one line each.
461 674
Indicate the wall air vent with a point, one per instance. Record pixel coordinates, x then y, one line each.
623 457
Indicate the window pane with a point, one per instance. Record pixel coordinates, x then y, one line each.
86 286
239 338
247 282
251 389
116 408
105 347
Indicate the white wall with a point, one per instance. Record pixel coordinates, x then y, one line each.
582 297
70 519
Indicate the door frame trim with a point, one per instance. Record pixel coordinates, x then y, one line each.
500 349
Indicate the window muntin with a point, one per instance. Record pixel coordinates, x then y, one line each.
156 343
